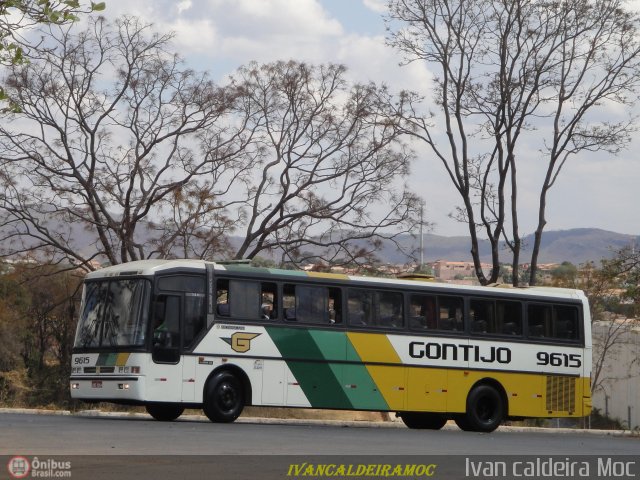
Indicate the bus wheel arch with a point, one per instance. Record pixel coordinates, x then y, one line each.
486 407
226 392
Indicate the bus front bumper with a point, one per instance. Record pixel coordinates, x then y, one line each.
107 388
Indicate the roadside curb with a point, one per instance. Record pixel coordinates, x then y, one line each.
310 422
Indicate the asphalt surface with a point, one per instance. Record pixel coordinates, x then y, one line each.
90 433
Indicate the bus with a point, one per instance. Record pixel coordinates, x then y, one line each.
176 334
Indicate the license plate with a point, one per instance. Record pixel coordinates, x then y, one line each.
96 383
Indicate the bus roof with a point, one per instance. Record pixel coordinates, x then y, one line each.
153 266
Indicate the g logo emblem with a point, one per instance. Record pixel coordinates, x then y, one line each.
241 341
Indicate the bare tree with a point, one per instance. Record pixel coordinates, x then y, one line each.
614 298
512 76
113 135
330 181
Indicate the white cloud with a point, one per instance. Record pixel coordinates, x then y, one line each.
378 6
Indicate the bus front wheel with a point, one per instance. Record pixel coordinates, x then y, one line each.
425 421
164 412
485 410
224 398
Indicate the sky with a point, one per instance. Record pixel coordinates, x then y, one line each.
596 191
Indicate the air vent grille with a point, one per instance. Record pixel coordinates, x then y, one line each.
561 394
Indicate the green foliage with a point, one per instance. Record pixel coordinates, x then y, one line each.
259 261
565 275
18 14
424 270
38 305
599 421
614 286
523 276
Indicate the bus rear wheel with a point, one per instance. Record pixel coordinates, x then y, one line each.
164 412
425 421
223 398
485 410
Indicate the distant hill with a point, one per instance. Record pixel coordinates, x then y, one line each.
577 246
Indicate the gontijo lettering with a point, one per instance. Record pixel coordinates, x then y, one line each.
451 351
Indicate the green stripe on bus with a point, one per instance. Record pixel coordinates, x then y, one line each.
365 395
332 345
319 380
106 360
293 273
355 380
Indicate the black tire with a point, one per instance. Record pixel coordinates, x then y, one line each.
164 412
485 410
223 398
462 423
424 421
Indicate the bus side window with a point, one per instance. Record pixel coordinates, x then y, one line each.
360 307
269 301
390 314
222 298
509 317
311 304
239 299
289 302
422 312
565 322
539 320
335 306
451 317
482 316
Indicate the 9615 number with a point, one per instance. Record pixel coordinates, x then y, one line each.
556 359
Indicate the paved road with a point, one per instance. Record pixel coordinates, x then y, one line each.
26 434
139 447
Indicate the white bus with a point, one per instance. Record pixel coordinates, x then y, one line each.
176 334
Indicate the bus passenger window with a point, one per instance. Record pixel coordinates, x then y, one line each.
482 318
451 317
222 298
312 304
508 318
244 299
335 306
539 320
390 310
289 302
269 301
375 308
565 322
422 312
360 307
238 299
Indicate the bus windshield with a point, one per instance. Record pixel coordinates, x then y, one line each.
113 314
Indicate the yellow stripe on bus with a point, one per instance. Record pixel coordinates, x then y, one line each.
336 276
390 380
121 361
373 347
